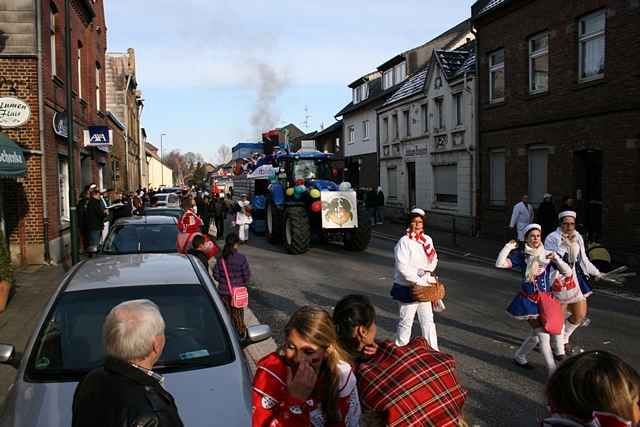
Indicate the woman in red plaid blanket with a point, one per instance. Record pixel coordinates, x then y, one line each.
387 372
308 382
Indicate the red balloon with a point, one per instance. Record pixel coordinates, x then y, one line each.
316 206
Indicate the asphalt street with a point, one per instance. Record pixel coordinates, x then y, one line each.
474 327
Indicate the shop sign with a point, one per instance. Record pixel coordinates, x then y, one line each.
98 136
60 126
14 112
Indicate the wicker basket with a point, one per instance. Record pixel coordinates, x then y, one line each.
434 292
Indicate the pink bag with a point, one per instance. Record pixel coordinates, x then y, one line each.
238 295
551 315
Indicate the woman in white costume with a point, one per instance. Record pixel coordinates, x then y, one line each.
539 268
415 261
568 244
243 218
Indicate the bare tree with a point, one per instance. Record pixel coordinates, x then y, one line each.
223 155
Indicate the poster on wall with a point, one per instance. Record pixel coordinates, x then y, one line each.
14 112
339 209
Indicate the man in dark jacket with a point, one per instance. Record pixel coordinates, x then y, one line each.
125 392
81 210
94 221
547 216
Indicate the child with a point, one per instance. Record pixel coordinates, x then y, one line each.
197 250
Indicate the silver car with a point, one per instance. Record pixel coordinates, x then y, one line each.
142 234
203 362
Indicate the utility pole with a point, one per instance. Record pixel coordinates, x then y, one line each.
162 158
75 254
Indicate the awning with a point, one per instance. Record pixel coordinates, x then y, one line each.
11 157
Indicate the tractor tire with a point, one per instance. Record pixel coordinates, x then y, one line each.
274 226
297 231
358 239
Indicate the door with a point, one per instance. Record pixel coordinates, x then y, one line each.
588 178
411 182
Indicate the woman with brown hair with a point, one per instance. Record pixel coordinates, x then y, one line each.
308 382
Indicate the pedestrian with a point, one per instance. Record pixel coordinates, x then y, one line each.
189 222
205 214
219 213
309 381
415 262
238 272
81 210
243 218
125 391
94 221
568 244
199 203
370 203
197 250
380 207
594 389
104 199
547 215
521 217
540 268
423 389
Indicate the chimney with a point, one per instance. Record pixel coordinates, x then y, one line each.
131 53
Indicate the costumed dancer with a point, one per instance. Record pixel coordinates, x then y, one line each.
415 261
189 226
539 268
243 218
568 244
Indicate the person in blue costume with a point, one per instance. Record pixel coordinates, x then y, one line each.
539 268
568 244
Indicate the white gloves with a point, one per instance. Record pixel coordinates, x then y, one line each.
502 261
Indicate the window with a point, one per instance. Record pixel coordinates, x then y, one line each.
539 63
150 238
356 95
406 119
439 122
457 109
425 118
497 178
592 45
352 134
52 38
79 62
98 105
394 126
399 73
496 76
446 183
392 177
385 150
385 129
365 129
387 79
365 91
63 188
537 174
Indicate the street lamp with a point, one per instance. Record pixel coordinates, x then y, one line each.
162 157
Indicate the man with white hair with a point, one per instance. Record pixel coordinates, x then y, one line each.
125 391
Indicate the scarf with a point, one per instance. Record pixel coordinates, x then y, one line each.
421 238
573 247
536 262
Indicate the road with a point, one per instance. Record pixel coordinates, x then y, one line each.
474 328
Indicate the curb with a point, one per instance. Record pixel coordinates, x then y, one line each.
255 352
448 251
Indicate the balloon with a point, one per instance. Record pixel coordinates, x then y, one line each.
299 181
290 191
315 193
300 189
316 206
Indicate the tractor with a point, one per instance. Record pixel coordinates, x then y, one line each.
301 203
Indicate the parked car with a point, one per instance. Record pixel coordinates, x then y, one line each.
164 211
165 199
203 361
169 190
141 234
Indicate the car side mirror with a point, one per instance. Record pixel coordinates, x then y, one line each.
7 354
256 334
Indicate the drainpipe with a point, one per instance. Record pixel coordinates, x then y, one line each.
43 172
476 123
126 134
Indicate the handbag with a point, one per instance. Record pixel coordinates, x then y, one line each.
213 230
566 290
238 295
550 312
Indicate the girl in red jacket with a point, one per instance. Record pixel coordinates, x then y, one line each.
308 382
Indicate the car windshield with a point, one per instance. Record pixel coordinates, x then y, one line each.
176 213
311 169
70 342
141 238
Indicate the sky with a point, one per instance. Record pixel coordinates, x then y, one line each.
216 72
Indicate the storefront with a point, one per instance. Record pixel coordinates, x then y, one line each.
12 168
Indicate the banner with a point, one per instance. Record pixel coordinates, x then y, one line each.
263 172
339 209
98 136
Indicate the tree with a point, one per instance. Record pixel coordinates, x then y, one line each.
223 155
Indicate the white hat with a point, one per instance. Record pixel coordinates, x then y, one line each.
563 214
418 211
530 227
546 196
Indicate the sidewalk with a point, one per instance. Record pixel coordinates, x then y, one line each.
473 248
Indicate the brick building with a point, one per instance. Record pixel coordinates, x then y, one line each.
559 107
32 68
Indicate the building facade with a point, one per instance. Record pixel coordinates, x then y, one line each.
559 107
160 175
32 68
329 140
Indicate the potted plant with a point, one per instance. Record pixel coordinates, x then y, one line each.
6 274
